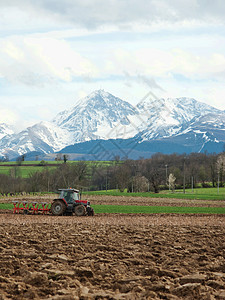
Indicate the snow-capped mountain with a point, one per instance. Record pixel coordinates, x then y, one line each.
43 137
104 116
5 130
203 132
95 117
168 117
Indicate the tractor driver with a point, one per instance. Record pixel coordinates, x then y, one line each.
69 197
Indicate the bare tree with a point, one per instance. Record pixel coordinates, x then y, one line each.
138 184
221 167
172 180
202 175
121 176
65 157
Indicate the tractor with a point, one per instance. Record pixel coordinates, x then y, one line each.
69 202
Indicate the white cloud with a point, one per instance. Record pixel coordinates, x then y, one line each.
37 61
8 116
60 59
160 63
214 94
48 14
199 66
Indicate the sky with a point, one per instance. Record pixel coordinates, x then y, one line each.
53 52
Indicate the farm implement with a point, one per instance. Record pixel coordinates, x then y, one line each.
32 207
68 203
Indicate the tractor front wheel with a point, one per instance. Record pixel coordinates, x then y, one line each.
58 208
80 210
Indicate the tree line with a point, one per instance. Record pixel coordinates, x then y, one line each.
158 172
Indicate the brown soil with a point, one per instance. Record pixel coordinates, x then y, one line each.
112 256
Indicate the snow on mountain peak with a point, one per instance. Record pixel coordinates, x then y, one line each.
101 115
95 115
166 117
5 130
104 100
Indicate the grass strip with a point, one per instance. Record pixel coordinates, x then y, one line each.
138 209
6 206
156 209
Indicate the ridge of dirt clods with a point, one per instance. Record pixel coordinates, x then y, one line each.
148 201
112 257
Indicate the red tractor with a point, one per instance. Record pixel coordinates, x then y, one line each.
69 202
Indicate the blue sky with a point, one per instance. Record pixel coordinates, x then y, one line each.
52 53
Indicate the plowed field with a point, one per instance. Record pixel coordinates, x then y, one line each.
112 256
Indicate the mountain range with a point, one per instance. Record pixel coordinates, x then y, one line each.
102 126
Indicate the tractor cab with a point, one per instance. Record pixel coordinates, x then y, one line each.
69 195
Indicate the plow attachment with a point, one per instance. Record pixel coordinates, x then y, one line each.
31 207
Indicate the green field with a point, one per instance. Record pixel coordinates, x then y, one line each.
157 209
33 162
198 194
25 170
6 206
135 209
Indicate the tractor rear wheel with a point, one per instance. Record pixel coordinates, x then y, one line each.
80 210
58 208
